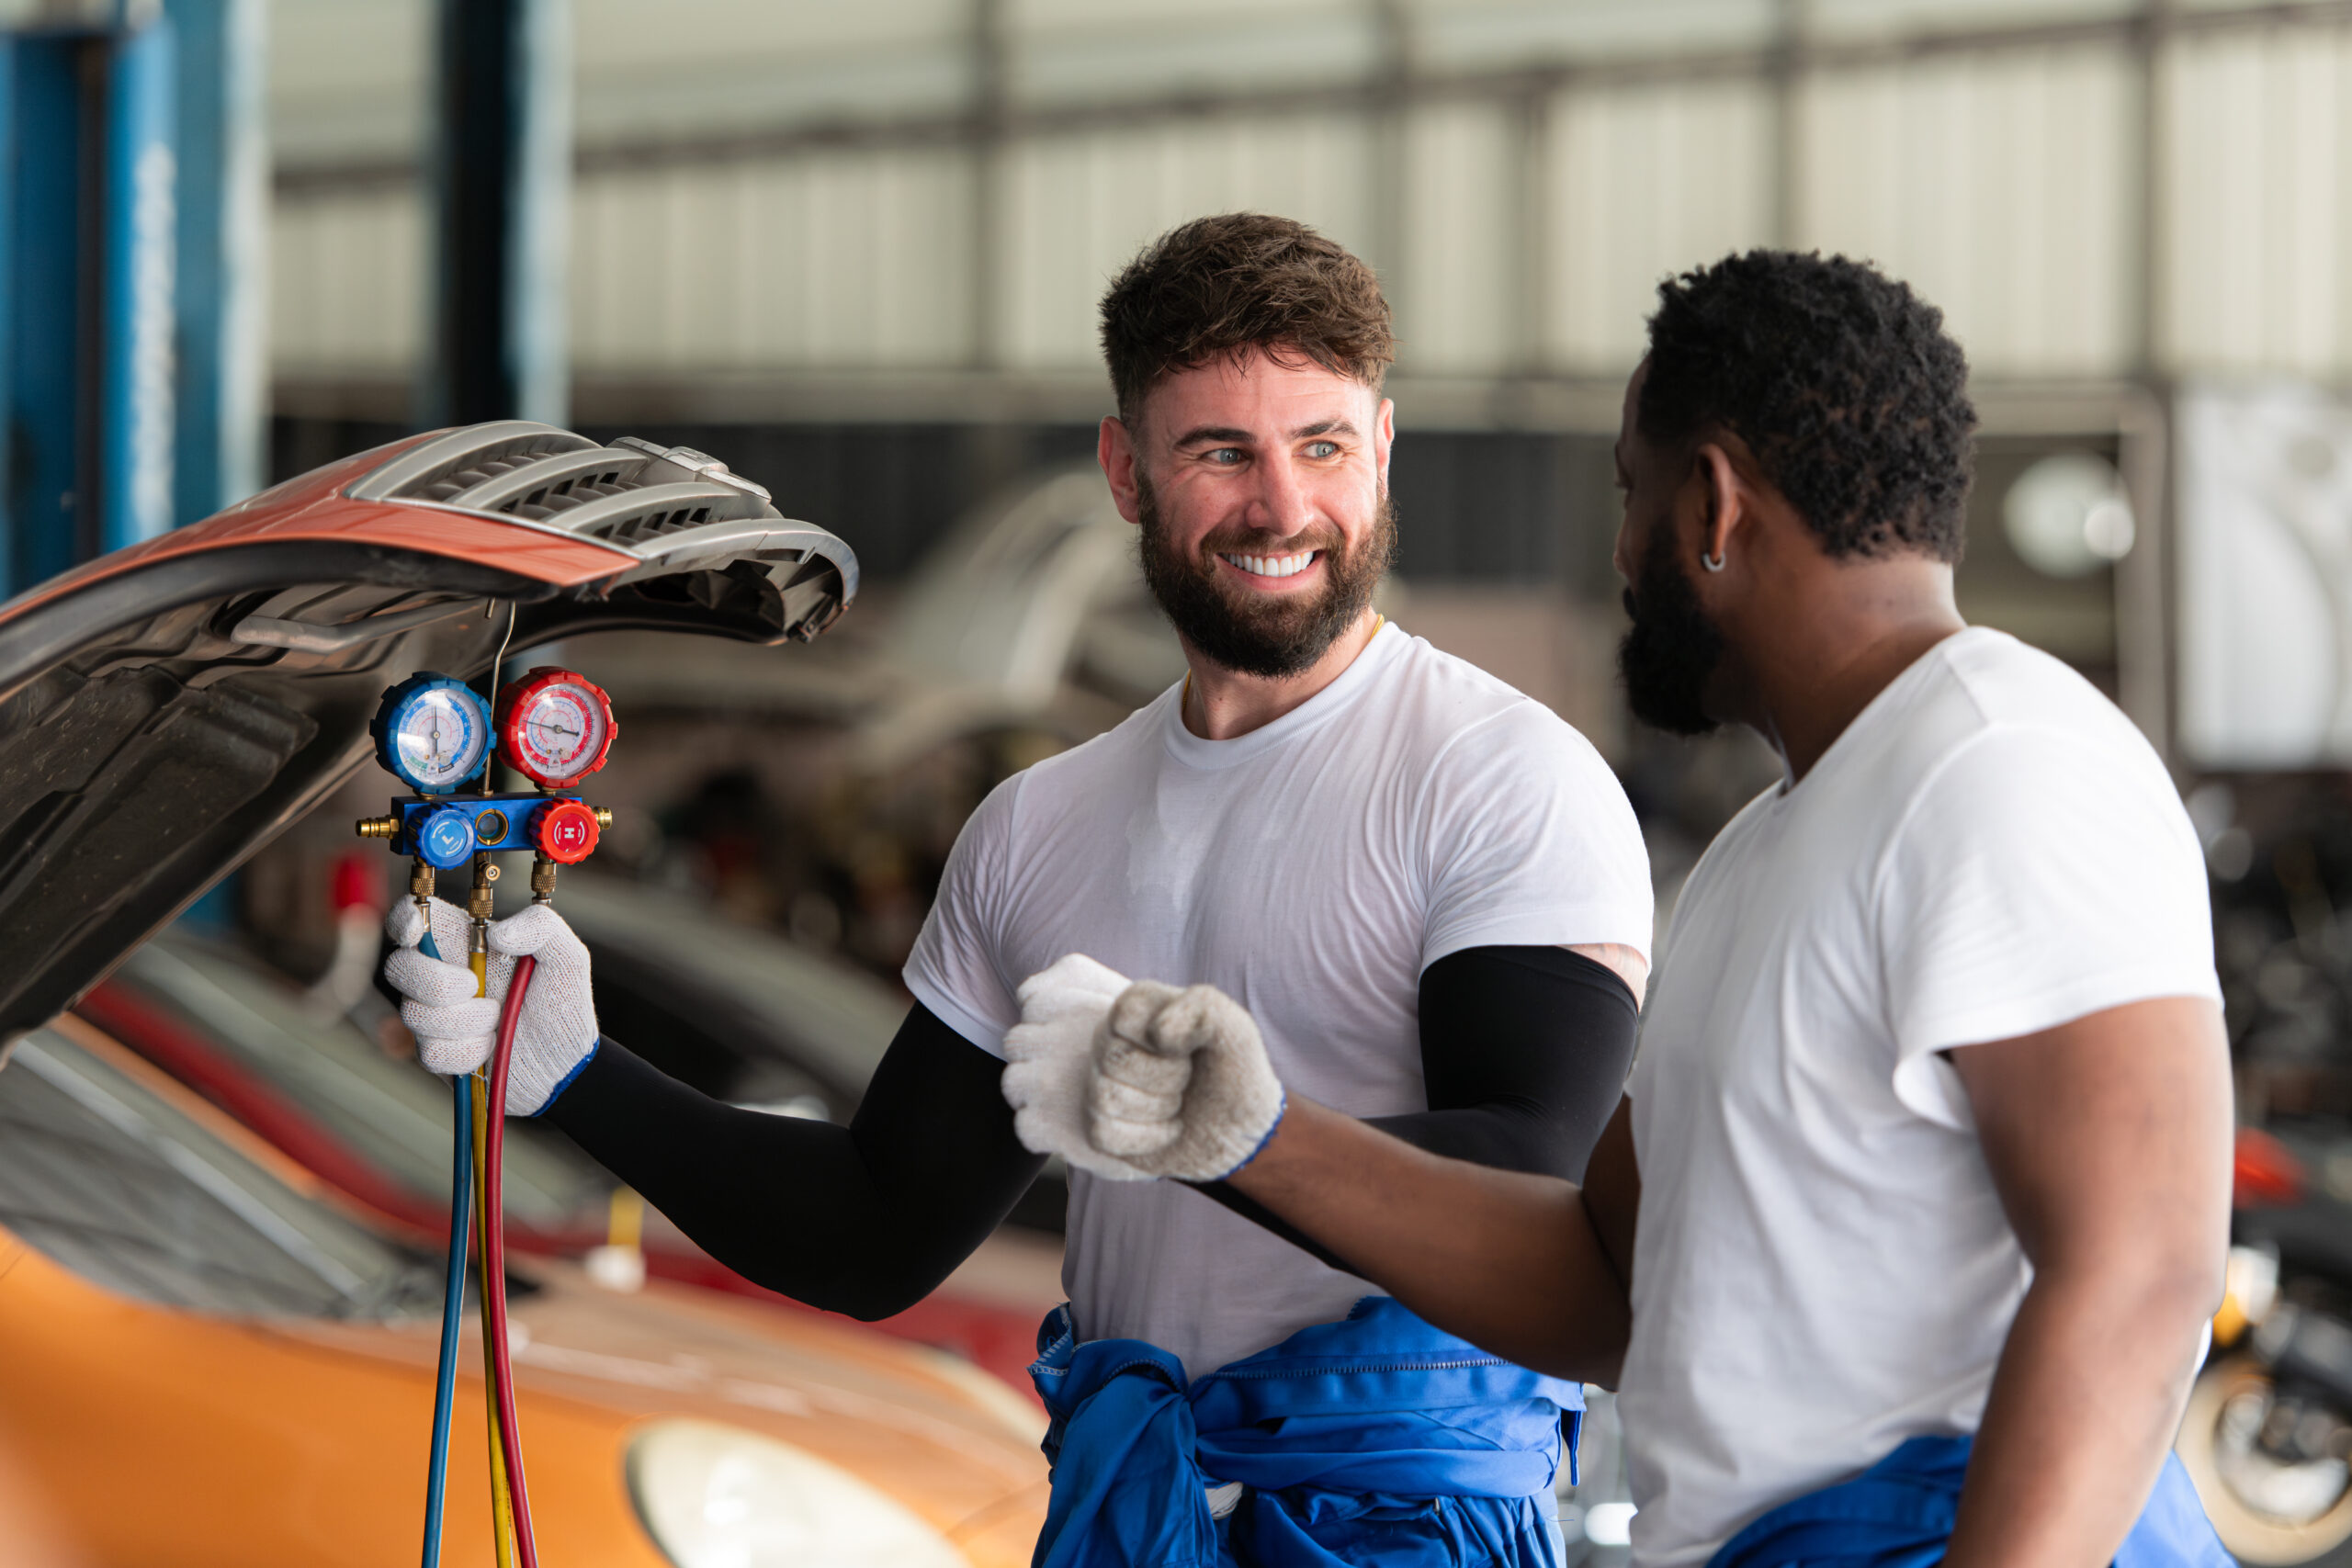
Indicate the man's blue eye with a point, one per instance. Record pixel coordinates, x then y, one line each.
1323 449
1227 454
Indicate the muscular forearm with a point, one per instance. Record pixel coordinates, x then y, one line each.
2090 1392
1510 1261
2109 1139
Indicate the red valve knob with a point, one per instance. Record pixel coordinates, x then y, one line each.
565 831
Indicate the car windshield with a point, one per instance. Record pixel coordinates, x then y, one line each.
107 1178
392 1113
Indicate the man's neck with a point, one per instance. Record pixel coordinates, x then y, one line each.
1221 703
1864 627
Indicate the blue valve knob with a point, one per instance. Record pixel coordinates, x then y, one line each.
445 840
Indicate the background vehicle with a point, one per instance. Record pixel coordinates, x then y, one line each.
224 1368
375 1126
2267 1435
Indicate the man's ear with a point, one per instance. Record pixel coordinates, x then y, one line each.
1115 449
1725 504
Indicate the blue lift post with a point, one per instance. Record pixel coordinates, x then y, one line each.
501 180
49 469
219 430
131 231
220 422
137 282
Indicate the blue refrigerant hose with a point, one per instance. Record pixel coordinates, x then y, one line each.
453 1302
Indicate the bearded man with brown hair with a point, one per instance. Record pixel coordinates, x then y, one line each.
1428 889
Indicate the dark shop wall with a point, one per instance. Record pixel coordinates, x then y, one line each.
1472 506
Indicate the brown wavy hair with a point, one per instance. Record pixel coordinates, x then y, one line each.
1237 283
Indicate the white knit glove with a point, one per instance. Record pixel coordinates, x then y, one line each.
1049 1057
1181 1085
1135 1080
455 1029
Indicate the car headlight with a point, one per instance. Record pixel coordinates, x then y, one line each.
716 1497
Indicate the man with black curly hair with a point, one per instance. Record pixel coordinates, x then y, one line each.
1900 1246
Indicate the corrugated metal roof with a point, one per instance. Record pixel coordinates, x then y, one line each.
1521 221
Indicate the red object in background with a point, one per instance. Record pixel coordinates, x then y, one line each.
184 1052
994 1337
565 831
2264 1173
358 883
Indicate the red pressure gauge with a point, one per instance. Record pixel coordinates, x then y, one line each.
555 727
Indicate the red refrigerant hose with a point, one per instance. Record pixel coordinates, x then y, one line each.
494 1259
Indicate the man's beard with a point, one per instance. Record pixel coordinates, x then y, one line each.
1266 635
1672 648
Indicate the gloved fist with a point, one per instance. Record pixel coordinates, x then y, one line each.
1049 1057
1131 1081
455 1029
1180 1084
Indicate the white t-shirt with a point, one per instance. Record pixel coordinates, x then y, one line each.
1311 869
1823 1267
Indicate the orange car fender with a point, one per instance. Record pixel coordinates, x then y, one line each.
159 1436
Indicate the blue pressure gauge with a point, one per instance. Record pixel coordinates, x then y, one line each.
433 732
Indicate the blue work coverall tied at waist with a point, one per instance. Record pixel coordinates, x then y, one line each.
1376 1441
1900 1513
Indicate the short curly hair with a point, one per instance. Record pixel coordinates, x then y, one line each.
1236 284
1841 381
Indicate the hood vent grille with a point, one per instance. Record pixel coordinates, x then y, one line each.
678 510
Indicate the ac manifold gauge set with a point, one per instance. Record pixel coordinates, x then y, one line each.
437 736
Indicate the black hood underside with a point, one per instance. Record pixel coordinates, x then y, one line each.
146 749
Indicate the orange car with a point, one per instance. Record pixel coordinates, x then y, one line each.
203 1360
207 1362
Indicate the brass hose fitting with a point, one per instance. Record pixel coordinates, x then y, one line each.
479 903
543 871
379 827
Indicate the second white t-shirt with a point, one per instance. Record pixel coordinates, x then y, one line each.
1822 1267
1311 869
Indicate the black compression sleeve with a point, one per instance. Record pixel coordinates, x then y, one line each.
866 1219
1524 1052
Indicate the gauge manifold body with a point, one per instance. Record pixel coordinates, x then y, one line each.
433 733
555 727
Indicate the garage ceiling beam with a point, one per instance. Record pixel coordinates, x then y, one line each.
1419 86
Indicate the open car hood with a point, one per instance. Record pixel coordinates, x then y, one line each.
167 709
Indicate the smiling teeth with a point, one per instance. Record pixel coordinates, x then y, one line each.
1273 566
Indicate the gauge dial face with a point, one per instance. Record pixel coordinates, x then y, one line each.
556 727
438 738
